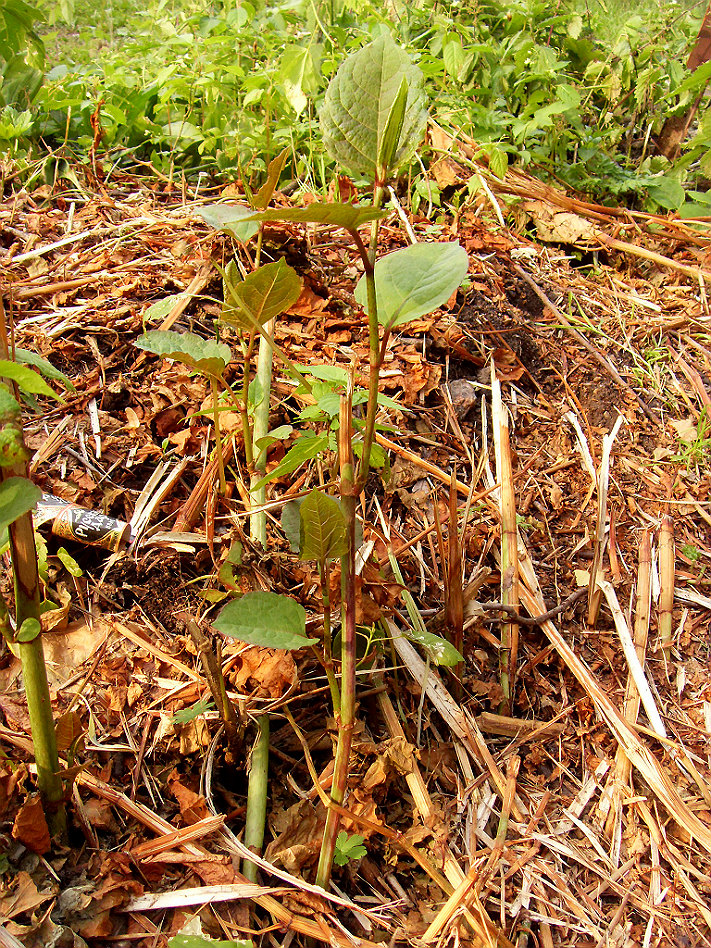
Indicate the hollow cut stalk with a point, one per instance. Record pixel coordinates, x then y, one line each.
346 716
509 544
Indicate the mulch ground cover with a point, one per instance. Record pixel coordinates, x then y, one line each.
582 816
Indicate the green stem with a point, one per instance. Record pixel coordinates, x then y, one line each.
27 606
258 520
257 796
376 352
218 435
324 573
346 717
244 406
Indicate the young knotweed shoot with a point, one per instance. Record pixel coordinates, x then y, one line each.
18 497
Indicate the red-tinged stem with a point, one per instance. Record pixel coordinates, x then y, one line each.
346 717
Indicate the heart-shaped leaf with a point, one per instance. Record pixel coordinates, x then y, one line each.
348 216
264 293
414 281
358 108
323 528
265 619
230 219
203 355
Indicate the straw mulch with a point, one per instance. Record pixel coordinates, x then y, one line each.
547 485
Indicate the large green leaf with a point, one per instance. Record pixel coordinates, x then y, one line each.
266 619
359 106
27 379
230 219
323 527
264 293
27 357
414 281
348 216
203 355
18 495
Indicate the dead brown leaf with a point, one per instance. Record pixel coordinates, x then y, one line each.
30 826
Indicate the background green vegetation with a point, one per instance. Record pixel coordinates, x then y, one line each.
575 91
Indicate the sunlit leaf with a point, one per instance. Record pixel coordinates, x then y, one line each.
414 281
348 216
266 192
202 355
266 619
229 218
27 379
262 295
359 103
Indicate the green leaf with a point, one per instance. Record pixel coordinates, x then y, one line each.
441 651
291 524
391 133
27 357
197 941
18 495
160 309
230 219
359 103
27 379
69 563
414 281
348 847
298 75
203 355
186 715
28 631
348 216
323 528
266 619
305 449
264 294
266 192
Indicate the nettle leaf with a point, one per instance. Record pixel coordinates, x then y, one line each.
18 495
308 447
414 281
186 715
202 355
27 379
230 219
322 534
262 295
348 216
359 105
265 619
